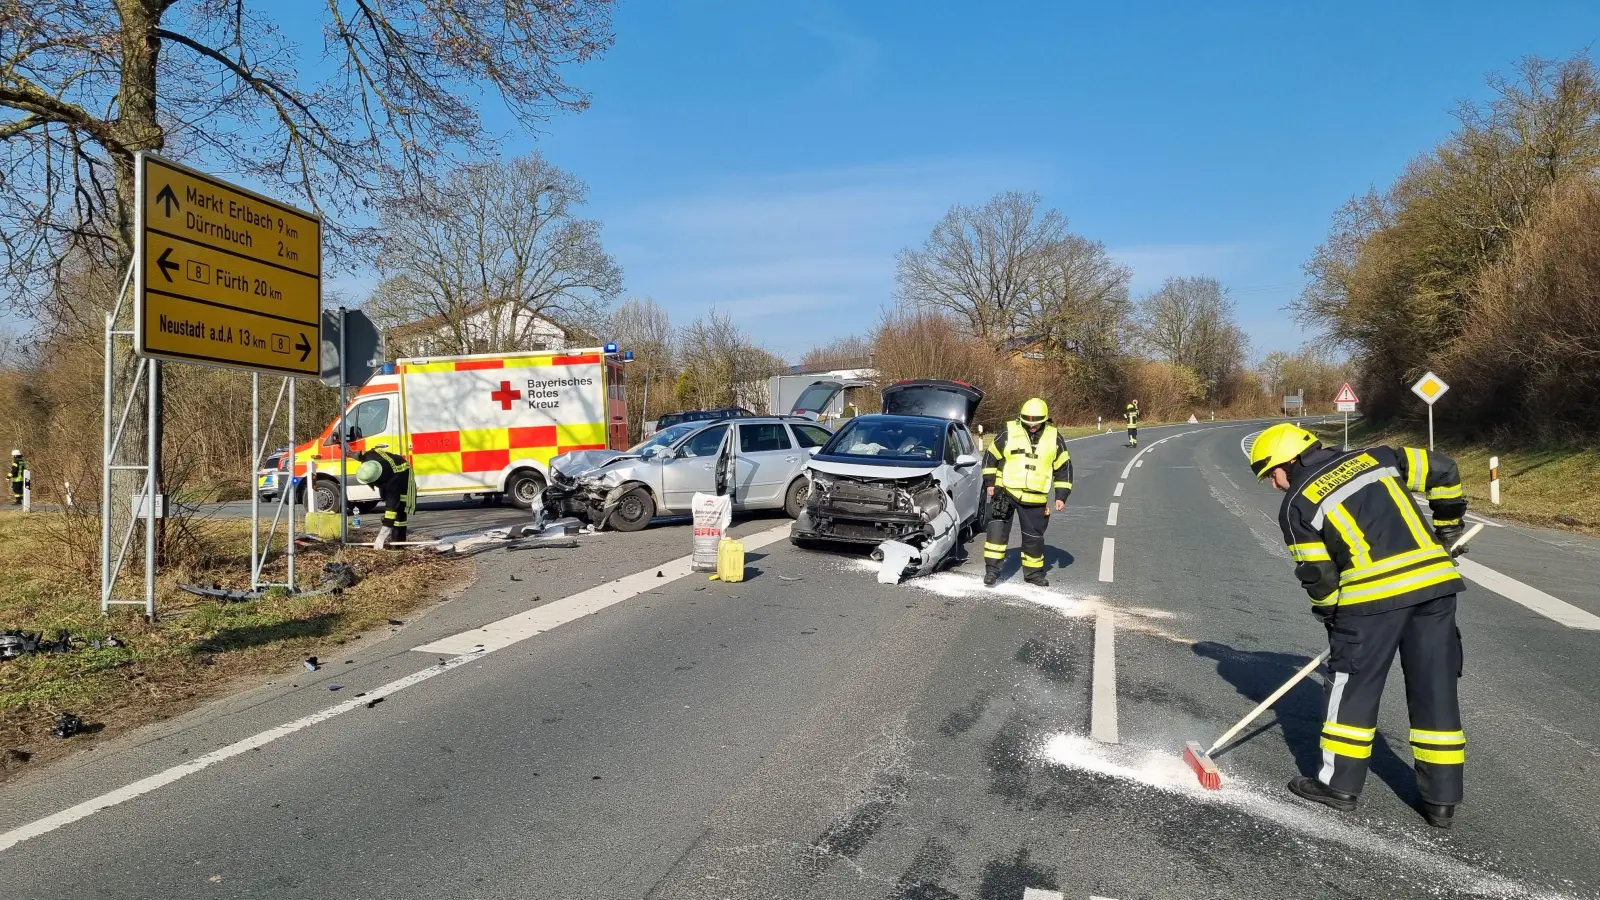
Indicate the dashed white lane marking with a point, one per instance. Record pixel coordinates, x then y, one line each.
520 627
477 643
1111 515
1139 464
1041 894
1118 491
1108 555
1531 597
1103 703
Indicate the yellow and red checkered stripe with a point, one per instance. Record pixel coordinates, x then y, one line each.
476 450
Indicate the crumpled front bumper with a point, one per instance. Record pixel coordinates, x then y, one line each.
582 497
877 513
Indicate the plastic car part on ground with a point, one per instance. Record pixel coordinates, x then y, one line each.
900 559
17 643
336 576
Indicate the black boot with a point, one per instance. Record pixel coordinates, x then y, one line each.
990 577
1036 578
1317 792
1439 815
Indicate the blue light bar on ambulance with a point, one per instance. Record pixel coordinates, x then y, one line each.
611 348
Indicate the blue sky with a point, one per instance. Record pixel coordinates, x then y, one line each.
769 159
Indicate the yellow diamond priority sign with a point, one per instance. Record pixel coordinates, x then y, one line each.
1430 388
226 277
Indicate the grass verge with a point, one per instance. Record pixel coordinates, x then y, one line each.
197 649
1551 487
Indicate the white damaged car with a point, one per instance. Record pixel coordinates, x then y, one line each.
909 478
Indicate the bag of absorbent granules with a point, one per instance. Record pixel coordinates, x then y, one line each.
711 517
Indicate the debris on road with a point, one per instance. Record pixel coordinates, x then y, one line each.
18 643
311 664
67 725
894 558
789 578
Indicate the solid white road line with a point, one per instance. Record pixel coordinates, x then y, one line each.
145 785
1118 491
1108 554
1103 703
1111 515
520 627
1531 597
476 644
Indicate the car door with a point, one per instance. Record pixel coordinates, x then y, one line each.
693 467
968 482
768 459
371 425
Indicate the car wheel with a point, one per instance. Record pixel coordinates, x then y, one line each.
327 495
795 500
525 487
634 511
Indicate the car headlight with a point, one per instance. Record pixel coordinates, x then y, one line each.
930 502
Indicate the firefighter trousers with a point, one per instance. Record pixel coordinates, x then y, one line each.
1362 649
1133 435
399 495
1034 518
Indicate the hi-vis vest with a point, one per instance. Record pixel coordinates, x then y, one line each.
1029 467
1132 413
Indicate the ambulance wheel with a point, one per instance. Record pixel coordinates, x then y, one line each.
524 487
327 492
634 511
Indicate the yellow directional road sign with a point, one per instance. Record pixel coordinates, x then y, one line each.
226 277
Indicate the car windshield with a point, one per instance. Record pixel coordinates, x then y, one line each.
889 439
666 437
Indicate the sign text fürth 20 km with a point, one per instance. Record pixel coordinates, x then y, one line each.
226 276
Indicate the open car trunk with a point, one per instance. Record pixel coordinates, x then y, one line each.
952 400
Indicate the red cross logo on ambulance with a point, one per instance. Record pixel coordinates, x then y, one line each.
505 396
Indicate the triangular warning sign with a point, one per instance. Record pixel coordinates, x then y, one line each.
1193 420
1346 395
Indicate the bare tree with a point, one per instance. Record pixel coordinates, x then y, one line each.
854 352
720 365
91 82
641 325
983 265
1080 304
489 259
1189 322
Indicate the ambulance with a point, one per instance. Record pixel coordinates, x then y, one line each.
486 424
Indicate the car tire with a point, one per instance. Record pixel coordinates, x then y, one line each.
524 487
633 511
794 500
327 494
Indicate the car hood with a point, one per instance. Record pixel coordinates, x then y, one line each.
875 471
582 462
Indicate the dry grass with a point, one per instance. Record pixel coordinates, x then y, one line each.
1550 486
196 650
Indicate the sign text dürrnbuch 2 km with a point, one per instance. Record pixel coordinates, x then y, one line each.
227 277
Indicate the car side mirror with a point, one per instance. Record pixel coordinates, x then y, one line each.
666 454
813 451
966 461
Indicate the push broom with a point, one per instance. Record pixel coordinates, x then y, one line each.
1200 760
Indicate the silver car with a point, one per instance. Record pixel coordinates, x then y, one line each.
759 461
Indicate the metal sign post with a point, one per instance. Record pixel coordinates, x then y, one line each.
1430 388
1345 402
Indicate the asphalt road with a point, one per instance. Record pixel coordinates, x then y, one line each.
811 733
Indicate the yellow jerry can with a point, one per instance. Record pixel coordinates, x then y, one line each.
730 560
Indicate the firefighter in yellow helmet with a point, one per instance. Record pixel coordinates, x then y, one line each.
1027 467
1381 580
1131 413
19 468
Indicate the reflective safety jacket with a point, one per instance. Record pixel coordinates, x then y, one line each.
1029 468
1132 412
1358 538
17 465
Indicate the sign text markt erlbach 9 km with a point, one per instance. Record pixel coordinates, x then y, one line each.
226 277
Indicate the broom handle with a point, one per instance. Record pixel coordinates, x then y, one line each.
1298 677
1309 668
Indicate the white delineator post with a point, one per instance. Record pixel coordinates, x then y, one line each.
1494 480
27 490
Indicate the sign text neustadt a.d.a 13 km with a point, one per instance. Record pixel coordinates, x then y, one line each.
226 277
